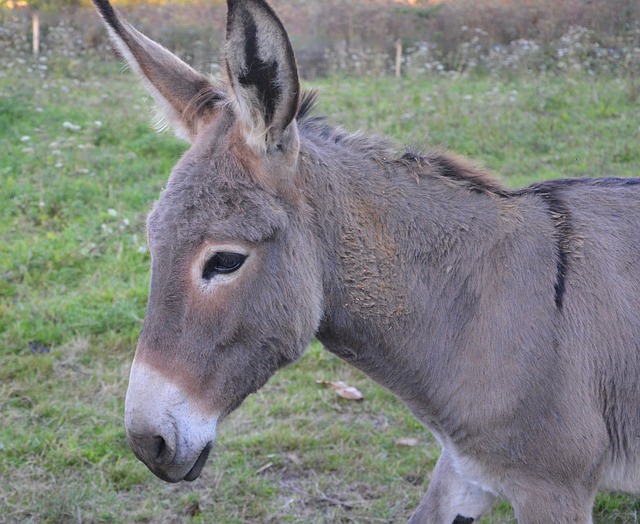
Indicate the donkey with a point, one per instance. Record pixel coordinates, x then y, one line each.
507 320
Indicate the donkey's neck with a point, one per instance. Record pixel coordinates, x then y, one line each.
405 245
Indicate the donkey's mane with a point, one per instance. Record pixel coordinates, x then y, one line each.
435 163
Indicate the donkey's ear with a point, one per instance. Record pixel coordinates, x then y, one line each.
262 72
183 95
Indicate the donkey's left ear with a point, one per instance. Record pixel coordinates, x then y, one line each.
184 97
263 74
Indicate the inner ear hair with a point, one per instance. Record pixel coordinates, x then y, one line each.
262 71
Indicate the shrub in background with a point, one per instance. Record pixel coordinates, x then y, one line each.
357 37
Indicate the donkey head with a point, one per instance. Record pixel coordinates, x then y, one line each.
235 283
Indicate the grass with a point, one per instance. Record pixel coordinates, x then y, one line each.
78 171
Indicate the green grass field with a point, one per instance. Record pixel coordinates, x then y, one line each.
79 169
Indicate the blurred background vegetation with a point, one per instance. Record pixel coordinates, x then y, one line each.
359 37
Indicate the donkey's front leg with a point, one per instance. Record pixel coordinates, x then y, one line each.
548 503
451 499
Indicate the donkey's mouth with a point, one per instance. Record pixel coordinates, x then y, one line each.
195 471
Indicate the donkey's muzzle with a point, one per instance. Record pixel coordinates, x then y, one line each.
166 430
159 455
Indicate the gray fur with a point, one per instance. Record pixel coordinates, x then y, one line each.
508 321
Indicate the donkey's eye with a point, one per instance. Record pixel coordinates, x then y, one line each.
222 263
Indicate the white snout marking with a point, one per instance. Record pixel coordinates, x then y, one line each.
156 407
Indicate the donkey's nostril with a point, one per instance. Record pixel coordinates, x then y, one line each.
156 449
160 447
161 450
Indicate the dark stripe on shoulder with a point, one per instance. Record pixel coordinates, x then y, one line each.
561 217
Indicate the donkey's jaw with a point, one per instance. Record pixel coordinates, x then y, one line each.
166 430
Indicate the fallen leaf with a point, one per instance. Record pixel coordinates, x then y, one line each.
348 392
406 442
342 390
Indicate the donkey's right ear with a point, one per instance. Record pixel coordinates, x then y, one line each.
184 96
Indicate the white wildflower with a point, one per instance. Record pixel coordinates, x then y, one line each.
112 212
71 127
